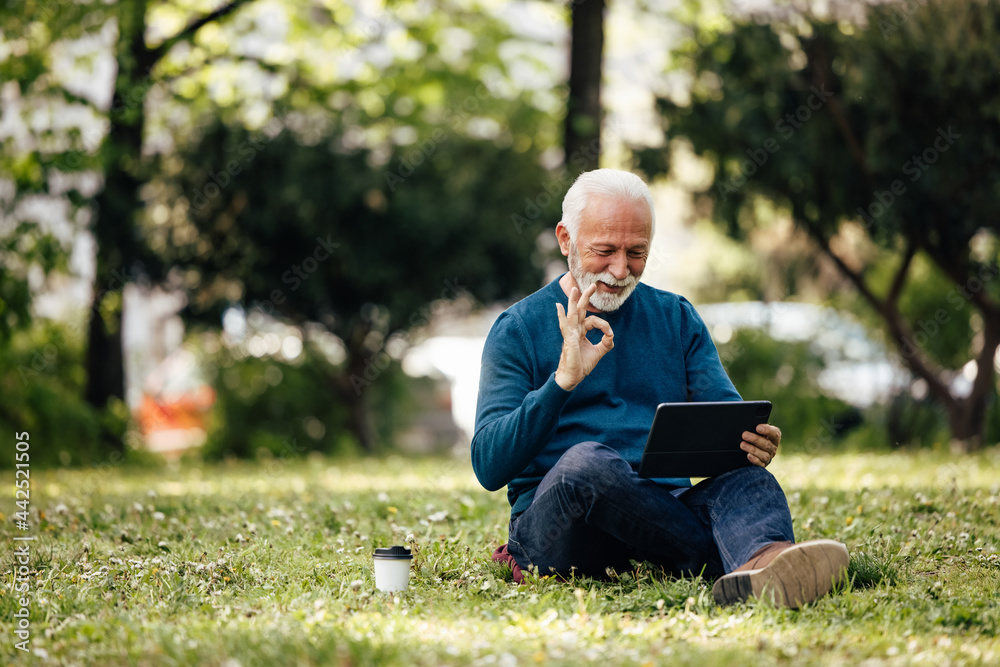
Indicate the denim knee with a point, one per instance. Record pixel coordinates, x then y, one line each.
592 463
587 457
752 474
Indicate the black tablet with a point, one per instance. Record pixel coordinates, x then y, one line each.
700 439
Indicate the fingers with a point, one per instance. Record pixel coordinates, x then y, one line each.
760 450
585 298
571 304
595 322
608 340
772 433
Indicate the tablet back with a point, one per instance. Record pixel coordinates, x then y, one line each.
700 439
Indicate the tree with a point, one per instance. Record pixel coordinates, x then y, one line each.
420 182
116 154
882 128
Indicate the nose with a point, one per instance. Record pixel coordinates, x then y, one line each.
619 266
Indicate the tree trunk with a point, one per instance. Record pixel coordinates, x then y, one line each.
105 373
965 421
352 385
583 110
967 416
116 208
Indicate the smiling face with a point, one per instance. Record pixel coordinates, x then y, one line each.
610 249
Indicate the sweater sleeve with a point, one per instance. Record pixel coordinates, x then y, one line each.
514 420
707 380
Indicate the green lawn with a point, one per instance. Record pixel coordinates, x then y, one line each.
271 564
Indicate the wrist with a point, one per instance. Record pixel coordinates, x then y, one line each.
564 382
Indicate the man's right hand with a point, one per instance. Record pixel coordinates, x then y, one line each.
579 356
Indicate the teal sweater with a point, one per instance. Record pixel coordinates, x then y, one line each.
525 421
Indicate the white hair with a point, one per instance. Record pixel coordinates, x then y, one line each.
610 183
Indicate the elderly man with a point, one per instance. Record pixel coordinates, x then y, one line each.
566 399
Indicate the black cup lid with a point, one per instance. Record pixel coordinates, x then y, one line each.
397 553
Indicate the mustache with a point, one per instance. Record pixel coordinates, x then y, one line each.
609 279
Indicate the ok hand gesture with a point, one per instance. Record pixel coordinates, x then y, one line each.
579 356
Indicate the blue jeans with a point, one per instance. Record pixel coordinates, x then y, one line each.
591 512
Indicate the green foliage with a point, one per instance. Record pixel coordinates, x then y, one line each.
41 381
419 173
329 234
786 373
909 421
801 93
943 319
362 200
876 135
264 404
25 248
271 563
283 410
405 162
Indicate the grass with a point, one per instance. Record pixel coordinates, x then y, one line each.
271 564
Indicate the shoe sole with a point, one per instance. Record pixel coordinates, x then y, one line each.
797 576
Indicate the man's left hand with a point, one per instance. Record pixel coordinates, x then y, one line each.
761 447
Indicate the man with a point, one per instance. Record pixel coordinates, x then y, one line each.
565 402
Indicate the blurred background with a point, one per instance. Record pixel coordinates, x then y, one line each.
266 228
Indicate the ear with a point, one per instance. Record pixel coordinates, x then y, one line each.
562 235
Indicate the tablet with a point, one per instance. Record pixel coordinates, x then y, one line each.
700 439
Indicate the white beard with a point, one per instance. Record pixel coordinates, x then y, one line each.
603 301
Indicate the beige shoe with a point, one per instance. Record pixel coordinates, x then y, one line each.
791 575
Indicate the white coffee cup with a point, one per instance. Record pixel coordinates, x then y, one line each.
392 569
